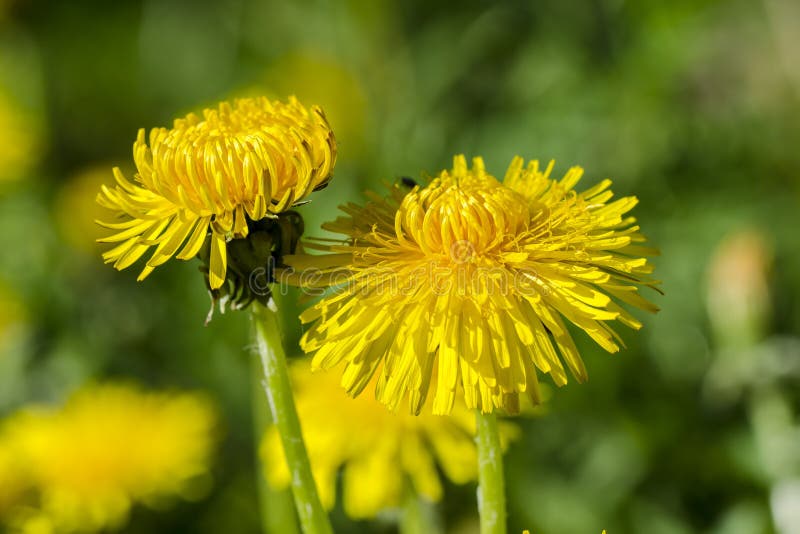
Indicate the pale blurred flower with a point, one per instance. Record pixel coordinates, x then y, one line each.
785 504
739 309
738 289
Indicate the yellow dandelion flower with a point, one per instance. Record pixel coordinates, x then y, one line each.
75 210
464 284
214 175
314 75
109 447
379 451
12 480
12 317
20 135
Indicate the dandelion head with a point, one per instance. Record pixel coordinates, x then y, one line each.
13 317
12 481
464 285
378 451
20 136
75 209
110 446
214 179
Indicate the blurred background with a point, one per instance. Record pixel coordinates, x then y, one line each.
692 105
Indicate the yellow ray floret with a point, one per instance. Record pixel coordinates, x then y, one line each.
379 451
210 174
464 285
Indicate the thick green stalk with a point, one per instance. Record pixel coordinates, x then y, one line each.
313 518
491 485
276 506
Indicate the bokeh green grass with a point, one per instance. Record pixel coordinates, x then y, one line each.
693 106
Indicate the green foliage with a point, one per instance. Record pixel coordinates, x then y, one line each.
692 106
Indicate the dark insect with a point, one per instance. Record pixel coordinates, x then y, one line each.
407 181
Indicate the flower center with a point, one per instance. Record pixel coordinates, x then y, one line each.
259 155
462 219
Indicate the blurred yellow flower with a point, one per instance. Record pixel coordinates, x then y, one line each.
316 76
19 137
238 163
529 532
75 210
109 447
380 451
463 284
12 313
12 481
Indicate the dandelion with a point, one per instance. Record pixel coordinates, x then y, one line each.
209 180
315 75
12 318
12 482
110 446
220 188
464 285
20 136
75 209
378 450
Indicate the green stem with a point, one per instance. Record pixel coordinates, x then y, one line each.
411 522
419 516
276 506
491 486
313 518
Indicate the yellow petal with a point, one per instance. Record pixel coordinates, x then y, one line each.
219 261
